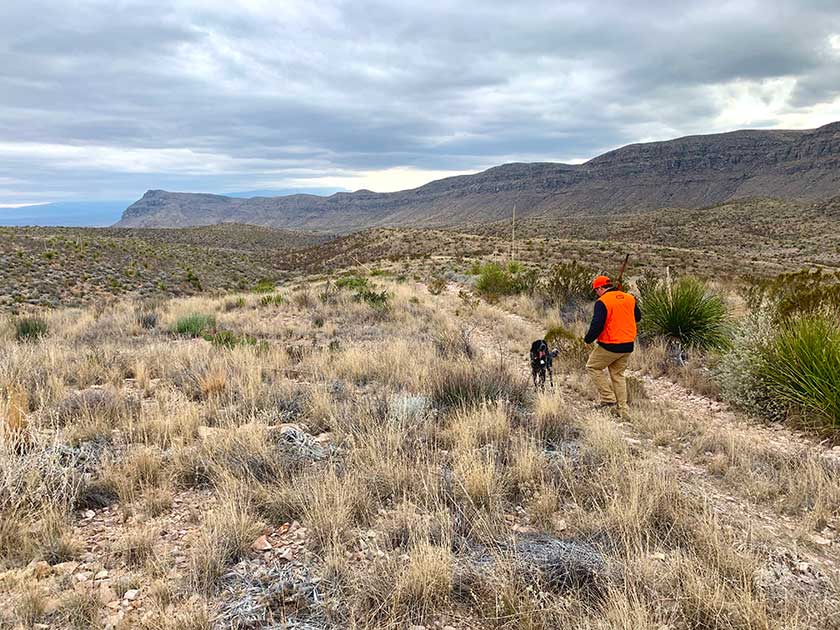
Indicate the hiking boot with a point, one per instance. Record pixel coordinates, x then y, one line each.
605 405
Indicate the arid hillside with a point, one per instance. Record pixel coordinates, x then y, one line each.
73 266
754 237
690 172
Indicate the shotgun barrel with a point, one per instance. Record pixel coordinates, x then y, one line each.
621 273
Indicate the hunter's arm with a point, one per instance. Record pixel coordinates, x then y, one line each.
599 318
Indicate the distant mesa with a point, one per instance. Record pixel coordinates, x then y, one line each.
689 172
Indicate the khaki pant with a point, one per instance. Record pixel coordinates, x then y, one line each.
612 388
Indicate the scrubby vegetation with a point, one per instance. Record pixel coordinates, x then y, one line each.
324 461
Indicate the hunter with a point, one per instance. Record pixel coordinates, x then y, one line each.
614 326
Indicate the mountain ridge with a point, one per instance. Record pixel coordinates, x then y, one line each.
687 172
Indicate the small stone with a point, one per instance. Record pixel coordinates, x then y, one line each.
261 544
84 576
65 568
101 575
131 594
107 596
90 514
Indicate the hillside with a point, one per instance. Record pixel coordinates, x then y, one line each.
749 237
74 266
690 172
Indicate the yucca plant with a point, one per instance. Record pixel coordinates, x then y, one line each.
194 325
803 366
687 313
30 328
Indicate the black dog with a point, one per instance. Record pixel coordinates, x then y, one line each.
541 359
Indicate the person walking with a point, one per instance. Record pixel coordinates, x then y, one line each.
614 327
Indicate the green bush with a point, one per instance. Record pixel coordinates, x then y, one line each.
276 299
194 325
801 293
376 299
30 328
193 280
686 313
228 339
265 286
566 282
352 283
803 366
494 280
573 352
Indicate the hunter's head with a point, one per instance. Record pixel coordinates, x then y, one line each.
601 285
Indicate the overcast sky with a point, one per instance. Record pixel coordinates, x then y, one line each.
103 100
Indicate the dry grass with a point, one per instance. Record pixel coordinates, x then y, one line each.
438 450
226 532
136 547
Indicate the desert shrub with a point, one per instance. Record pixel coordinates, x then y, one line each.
573 351
276 299
352 283
194 325
494 280
231 305
147 319
686 313
803 366
376 299
460 384
265 286
741 371
30 328
566 282
436 285
228 339
193 280
800 293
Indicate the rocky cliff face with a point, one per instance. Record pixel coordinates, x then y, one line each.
689 172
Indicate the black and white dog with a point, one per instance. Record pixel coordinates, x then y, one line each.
541 359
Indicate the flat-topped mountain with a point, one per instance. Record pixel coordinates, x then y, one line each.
689 172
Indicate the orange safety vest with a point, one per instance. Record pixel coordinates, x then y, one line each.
620 326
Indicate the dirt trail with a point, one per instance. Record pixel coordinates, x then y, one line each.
791 535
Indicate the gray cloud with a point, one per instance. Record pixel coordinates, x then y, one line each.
101 99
